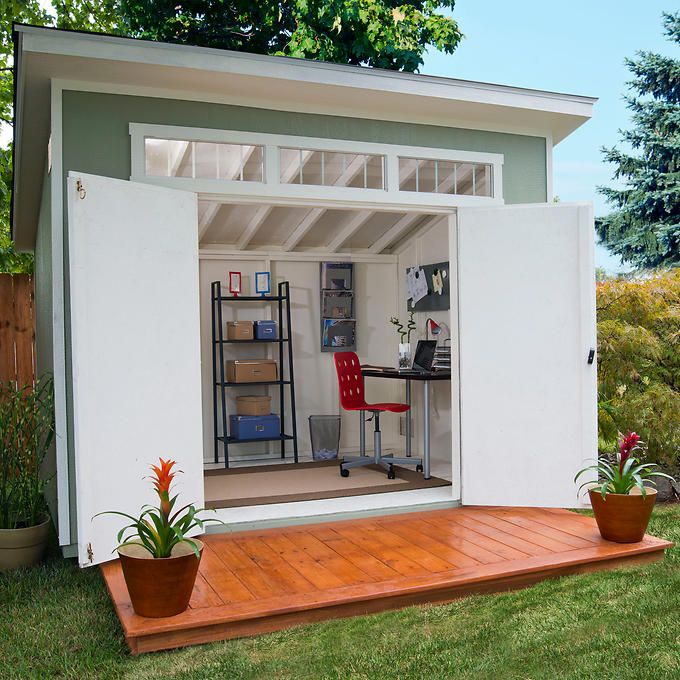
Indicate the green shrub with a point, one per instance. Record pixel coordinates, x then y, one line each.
638 325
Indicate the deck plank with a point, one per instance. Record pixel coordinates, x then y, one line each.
259 581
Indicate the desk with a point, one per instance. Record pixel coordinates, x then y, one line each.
425 378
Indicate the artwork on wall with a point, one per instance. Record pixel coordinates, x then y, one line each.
338 325
437 279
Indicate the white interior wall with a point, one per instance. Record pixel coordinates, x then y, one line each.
315 381
428 247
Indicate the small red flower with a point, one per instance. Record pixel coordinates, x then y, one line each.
628 443
162 479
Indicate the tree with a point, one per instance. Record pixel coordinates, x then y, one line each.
383 33
644 228
638 336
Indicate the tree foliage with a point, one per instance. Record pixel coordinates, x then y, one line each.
644 228
383 33
638 331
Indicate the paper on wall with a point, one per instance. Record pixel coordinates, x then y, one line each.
416 284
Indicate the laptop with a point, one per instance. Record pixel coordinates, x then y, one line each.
424 356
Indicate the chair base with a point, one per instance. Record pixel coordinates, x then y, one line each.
387 461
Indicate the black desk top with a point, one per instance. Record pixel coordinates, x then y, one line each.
394 374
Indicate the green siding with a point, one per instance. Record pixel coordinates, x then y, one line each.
43 317
96 136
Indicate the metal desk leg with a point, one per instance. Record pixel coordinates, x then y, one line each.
408 419
362 433
426 429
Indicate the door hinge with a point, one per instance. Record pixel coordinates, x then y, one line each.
80 188
90 554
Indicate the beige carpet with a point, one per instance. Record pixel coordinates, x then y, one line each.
304 481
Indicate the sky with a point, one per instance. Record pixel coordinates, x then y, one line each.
576 47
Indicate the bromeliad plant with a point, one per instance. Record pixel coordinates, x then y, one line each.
626 472
159 529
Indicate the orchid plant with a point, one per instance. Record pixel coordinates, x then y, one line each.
159 529
626 472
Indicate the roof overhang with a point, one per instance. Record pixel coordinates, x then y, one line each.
44 55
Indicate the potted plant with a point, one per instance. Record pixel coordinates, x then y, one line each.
26 434
159 560
621 498
404 339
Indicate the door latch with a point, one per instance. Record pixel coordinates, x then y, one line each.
591 356
90 553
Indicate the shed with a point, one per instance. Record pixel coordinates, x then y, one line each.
144 172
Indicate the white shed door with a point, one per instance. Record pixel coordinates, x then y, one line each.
528 395
133 263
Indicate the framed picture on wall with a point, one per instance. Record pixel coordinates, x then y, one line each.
336 275
338 334
338 305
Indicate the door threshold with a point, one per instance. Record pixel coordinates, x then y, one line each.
273 515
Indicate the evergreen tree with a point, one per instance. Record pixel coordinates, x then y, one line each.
644 228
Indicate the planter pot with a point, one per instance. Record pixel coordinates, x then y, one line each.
623 518
23 547
404 355
160 587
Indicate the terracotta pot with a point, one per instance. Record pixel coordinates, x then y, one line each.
623 518
23 547
160 587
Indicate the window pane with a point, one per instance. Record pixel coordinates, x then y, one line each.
156 157
446 177
206 160
465 179
375 175
483 180
426 176
253 166
331 168
407 174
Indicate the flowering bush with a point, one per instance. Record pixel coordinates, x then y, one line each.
626 472
159 530
639 363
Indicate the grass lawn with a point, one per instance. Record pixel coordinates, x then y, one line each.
57 621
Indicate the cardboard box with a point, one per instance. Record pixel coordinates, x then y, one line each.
260 405
251 371
240 330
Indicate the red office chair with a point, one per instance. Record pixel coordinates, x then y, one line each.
351 383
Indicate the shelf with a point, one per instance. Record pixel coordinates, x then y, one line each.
251 384
247 342
279 438
251 298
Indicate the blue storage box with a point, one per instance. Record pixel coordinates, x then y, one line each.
265 330
255 427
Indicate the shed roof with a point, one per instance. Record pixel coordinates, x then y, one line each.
206 74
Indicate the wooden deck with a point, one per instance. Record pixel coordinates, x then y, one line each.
259 581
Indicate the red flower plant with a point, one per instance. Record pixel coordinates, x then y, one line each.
156 529
629 443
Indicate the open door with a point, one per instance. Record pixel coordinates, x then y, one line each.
134 310
528 393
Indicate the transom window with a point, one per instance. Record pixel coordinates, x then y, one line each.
332 168
203 160
445 177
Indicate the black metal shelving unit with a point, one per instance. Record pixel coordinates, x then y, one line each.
220 385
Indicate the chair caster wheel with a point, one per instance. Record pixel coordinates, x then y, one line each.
343 472
419 468
390 473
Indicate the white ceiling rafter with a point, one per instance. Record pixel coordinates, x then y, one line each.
207 219
307 222
351 226
395 231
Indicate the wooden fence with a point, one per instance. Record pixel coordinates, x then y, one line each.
17 329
